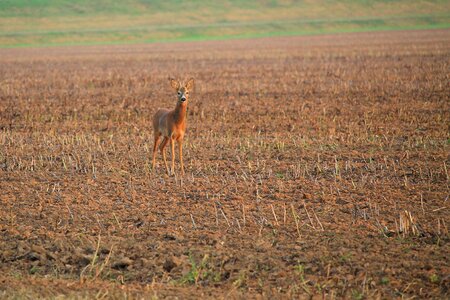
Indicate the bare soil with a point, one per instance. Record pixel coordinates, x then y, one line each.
315 167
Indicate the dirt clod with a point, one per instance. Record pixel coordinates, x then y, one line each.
122 263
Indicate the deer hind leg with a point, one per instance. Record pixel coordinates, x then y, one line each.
155 146
163 151
172 146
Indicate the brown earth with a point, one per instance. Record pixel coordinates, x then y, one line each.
302 155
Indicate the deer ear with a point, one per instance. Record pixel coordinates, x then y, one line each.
175 84
190 84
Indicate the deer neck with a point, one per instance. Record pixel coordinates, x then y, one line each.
179 113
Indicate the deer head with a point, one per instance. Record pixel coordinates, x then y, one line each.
182 90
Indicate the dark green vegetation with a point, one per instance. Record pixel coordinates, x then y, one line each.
33 23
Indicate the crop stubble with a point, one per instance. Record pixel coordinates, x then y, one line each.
302 155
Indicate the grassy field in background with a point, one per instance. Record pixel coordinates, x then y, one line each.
80 22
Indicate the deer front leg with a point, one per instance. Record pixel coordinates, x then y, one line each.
163 151
172 145
180 149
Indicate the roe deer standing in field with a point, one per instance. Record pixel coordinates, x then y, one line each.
171 124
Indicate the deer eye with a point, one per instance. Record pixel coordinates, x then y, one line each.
179 93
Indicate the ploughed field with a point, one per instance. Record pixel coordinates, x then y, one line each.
315 166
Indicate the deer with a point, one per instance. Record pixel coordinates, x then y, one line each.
171 125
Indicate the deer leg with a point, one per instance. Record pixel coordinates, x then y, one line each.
172 146
155 146
163 151
180 149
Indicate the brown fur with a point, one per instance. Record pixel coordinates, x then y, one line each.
171 125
